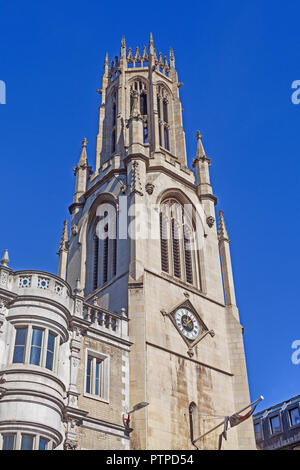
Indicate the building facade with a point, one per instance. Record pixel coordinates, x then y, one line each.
144 270
278 427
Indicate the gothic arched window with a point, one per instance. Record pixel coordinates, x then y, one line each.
102 249
163 117
140 86
114 121
177 242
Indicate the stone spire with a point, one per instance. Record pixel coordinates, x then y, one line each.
5 259
82 172
63 252
106 64
228 282
222 230
123 47
63 246
83 163
200 149
172 58
151 45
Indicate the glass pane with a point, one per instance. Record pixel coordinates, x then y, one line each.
51 342
35 355
37 336
97 381
27 442
20 336
275 425
8 442
49 360
43 444
295 416
18 354
257 430
88 377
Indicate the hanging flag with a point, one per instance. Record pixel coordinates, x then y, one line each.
233 420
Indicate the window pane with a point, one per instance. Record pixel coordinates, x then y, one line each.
19 351
50 351
88 376
295 416
21 336
49 360
275 424
37 336
51 342
97 378
27 442
257 430
35 356
36 343
8 442
43 444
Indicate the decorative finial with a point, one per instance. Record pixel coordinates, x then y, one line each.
5 259
222 230
106 62
64 242
172 58
84 142
200 149
78 289
151 45
123 47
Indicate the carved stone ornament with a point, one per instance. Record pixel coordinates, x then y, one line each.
150 188
3 278
69 444
74 230
210 221
189 324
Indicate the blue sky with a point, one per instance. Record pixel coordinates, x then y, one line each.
237 61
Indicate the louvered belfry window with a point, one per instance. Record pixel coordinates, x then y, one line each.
178 257
164 243
96 262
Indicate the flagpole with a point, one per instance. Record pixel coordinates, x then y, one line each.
221 424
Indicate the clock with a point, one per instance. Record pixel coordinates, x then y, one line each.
187 323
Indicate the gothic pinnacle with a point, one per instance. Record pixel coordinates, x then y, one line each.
5 259
63 246
222 230
172 58
151 45
83 156
200 149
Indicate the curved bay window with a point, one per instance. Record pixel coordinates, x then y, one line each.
140 86
35 346
163 117
179 256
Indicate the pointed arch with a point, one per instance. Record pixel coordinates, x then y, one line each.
180 253
101 242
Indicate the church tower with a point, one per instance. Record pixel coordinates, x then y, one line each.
144 241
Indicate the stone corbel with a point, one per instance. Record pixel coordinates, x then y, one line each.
72 420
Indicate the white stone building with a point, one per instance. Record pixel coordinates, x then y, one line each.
143 308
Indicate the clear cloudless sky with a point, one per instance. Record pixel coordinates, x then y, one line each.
237 60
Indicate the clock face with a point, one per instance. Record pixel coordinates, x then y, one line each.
187 323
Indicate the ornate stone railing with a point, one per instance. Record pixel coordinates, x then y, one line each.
105 320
